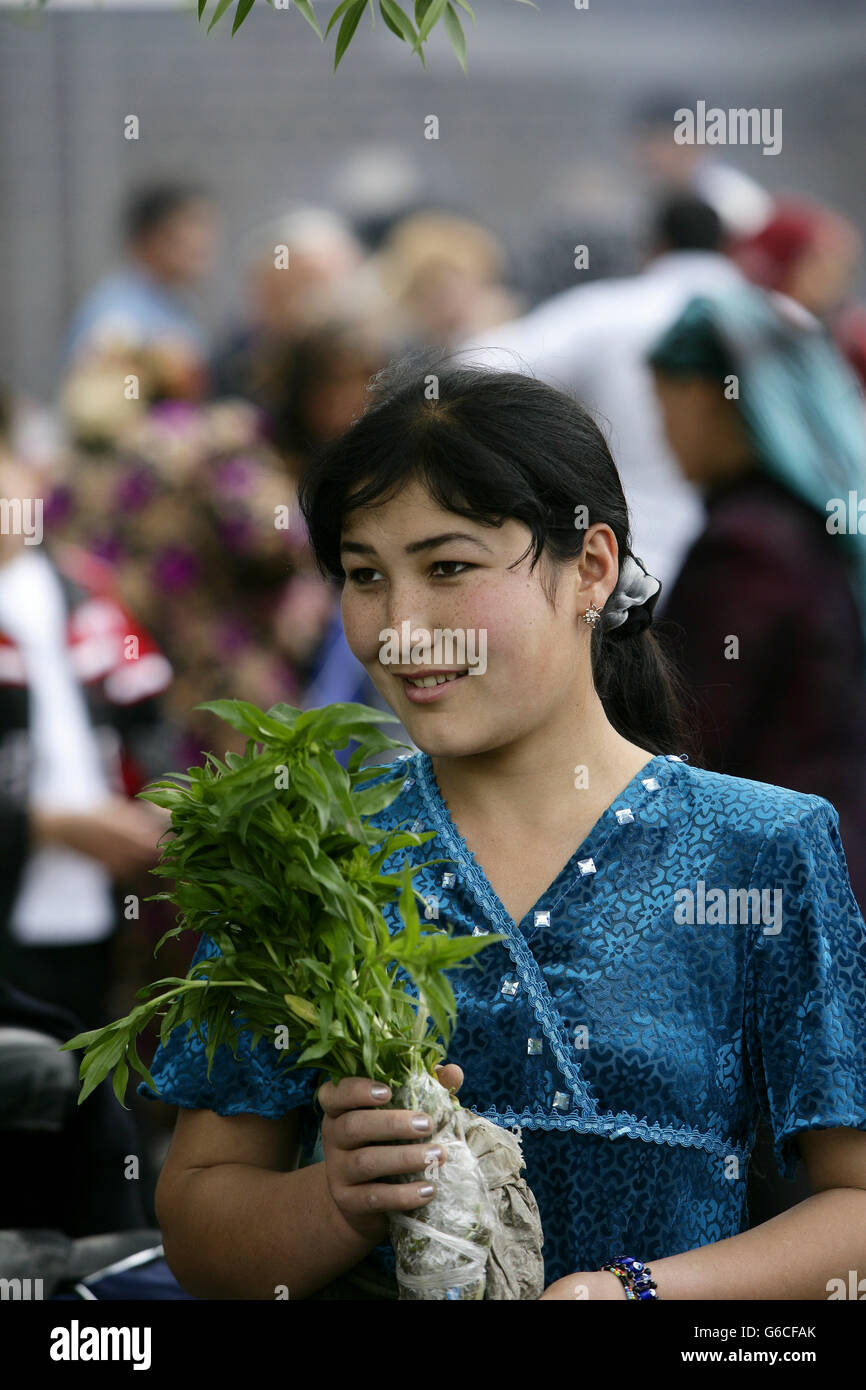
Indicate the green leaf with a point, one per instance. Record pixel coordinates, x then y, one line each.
80 1040
243 9
136 1062
310 785
121 1077
336 781
398 22
302 1009
431 17
240 714
456 36
338 12
222 6
314 1052
306 10
408 910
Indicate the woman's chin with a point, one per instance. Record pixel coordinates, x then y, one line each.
452 743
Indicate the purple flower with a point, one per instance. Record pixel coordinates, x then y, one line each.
107 547
135 488
232 636
58 505
236 477
175 567
235 532
174 414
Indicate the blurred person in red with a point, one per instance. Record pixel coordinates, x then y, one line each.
806 251
80 733
812 254
849 331
768 614
170 234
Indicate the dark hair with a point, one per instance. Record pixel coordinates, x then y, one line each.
149 207
686 223
305 363
491 446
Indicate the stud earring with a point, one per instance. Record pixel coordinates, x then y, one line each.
592 615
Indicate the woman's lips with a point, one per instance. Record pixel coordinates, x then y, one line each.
425 694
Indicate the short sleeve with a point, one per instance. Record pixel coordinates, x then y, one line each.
258 1082
806 998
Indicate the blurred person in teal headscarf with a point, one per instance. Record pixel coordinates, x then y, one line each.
768 614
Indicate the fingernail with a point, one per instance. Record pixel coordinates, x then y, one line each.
421 1122
431 1154
380 1092
427 1190
439 1066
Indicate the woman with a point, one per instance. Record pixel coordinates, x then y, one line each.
633 1039
768 614
805 251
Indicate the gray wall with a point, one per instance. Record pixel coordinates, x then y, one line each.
262 118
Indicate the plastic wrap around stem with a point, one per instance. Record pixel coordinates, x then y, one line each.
441 1248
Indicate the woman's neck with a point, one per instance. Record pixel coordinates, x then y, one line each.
543 779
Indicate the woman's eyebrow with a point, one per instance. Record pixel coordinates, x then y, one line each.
357 548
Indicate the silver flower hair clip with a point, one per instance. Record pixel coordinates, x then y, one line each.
633 599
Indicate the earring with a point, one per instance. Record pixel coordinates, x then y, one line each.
592 615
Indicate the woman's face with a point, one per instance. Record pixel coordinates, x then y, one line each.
822 277
704 429
531 661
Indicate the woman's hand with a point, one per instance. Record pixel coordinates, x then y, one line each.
592 1285
364 1144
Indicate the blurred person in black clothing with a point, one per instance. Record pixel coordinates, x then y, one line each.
768 613
63 1167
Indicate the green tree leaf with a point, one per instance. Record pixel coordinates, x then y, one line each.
398 22
456 36
306 10
243 9
222 6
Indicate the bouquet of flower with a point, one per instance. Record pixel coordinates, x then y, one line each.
275 858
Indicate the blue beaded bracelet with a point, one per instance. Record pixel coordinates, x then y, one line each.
634 1276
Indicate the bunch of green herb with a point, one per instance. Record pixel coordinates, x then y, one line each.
274 858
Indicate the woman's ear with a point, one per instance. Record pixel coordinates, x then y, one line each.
598 562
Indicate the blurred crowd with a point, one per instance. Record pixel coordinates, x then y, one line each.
723 349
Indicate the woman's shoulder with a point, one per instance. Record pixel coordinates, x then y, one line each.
741 809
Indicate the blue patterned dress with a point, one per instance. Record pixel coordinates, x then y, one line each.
699 960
